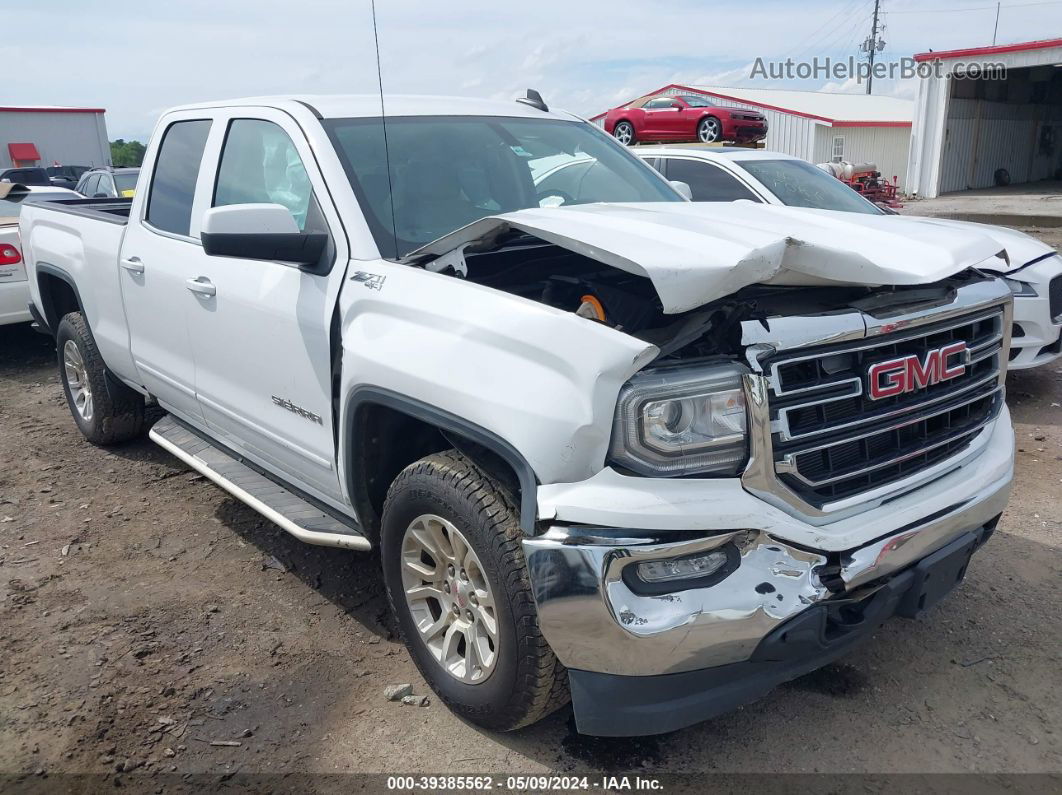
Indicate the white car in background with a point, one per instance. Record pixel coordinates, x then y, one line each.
14 289
1034 273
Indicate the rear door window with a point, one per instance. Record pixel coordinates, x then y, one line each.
88 187
169 206
106 186
708 183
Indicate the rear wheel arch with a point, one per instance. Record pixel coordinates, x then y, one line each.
384 431
59 294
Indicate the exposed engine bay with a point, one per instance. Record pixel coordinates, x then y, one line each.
532 268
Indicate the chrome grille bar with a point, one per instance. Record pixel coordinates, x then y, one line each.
777 389
786 435
788 463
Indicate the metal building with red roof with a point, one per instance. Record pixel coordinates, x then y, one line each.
1003 126
46 135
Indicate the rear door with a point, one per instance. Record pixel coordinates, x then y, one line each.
708 182
157 259
261 332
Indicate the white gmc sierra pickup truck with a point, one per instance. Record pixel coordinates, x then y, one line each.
613 446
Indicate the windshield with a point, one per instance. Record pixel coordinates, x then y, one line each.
696 102
448 171
125 184
800 184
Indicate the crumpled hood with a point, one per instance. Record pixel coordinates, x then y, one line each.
698 252
1021 248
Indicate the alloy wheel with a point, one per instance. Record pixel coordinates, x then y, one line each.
708 132
449 598
624 133
77 380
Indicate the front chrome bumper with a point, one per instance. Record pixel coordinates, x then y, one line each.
594 621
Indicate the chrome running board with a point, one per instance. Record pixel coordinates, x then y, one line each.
279 505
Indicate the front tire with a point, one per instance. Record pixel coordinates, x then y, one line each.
709 130
106 411
624 133
458 584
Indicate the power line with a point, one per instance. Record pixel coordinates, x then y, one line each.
976 8
830 27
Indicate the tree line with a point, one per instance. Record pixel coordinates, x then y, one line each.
127 153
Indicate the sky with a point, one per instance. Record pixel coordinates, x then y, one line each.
138 58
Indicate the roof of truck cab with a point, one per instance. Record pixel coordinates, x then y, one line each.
718 153
338 106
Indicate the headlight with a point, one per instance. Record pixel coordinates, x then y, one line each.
1021 289
682 420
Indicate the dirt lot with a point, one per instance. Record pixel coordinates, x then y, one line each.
146 615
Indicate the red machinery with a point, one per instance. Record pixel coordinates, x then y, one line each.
866 180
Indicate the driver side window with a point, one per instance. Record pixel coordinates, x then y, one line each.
259 164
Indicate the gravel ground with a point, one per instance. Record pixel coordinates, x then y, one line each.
150 625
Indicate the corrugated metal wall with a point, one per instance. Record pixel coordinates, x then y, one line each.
77 139
793 135
886 147
982 136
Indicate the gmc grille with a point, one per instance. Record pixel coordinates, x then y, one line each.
831 441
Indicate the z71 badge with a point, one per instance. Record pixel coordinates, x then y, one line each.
373 281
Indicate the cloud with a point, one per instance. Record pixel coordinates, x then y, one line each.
584 56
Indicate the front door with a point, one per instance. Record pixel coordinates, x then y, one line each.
154 263
658 115
260 329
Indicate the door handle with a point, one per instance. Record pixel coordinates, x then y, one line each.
201 285
132 264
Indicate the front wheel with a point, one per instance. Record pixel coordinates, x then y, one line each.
106 411
709 130
456 578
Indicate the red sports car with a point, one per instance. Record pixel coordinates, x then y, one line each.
683 118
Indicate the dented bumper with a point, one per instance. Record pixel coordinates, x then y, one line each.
597 617
636 654
617 705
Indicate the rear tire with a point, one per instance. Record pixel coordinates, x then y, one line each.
106 411
624 133
443 503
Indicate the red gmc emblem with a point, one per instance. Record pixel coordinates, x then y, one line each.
897 376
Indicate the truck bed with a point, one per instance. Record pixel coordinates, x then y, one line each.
79 241
113 211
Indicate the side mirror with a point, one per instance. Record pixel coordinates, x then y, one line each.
259 231
682 188
676 105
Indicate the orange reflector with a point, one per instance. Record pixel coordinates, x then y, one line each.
591 308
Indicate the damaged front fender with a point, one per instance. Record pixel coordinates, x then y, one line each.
543 380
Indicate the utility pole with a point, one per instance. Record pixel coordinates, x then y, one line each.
995 30
874 44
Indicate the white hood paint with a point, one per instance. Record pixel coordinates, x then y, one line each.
698 252
1021 248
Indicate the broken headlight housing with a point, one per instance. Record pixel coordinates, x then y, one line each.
1021 289
682 420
